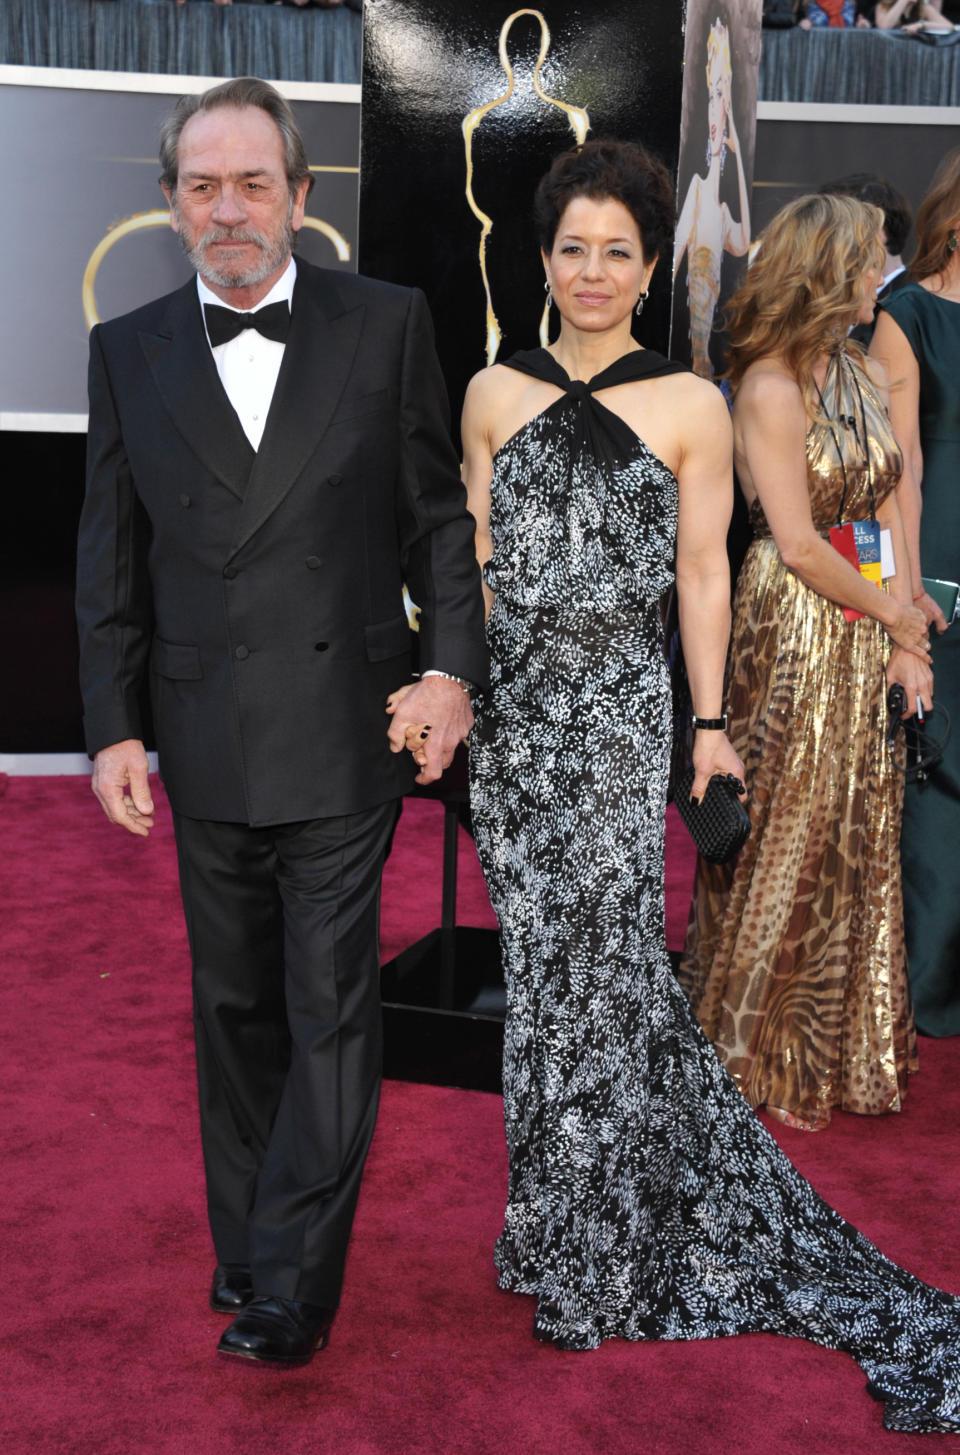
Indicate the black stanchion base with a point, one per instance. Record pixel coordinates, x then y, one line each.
444 1047
443 1009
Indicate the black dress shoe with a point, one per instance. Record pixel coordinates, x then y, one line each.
277 1331
232 1288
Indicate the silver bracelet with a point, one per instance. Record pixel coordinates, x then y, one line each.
449 677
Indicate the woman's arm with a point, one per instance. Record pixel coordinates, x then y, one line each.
683 238
705 477
892 350
477 467
736 238
772 425
904 667
889 15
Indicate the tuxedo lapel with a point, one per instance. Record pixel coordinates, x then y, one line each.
316 364
179 358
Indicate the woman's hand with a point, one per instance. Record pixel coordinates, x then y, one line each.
415 734
732 140
914 676
909 631
931 611
430 724
713 753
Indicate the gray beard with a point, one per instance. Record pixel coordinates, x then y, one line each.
233 275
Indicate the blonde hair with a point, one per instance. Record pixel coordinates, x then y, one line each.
804 287
937 218
718 51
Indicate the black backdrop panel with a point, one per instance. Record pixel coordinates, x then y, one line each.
453 87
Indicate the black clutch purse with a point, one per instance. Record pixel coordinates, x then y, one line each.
719 824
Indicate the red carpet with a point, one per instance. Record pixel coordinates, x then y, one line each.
107 1346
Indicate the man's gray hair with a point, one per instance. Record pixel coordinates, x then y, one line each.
244 91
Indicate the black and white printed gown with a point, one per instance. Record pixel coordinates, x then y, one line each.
646 1200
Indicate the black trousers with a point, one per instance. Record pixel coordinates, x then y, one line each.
283 924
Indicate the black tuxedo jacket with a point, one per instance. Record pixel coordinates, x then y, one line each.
261 592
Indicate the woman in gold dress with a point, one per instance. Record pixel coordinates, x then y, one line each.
794 960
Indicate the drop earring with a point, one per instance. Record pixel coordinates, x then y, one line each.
952 243
547 289
641 301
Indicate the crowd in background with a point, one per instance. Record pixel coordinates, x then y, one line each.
301 4
911 16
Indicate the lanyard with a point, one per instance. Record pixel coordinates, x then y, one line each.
863 444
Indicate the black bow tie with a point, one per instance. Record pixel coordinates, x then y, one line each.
223 324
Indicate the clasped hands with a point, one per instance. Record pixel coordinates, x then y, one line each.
428 719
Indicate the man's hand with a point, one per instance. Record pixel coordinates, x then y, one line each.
116 769
430 717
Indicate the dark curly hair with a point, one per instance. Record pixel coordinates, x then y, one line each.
623 170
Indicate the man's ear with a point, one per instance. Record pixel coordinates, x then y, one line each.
299 207
174 220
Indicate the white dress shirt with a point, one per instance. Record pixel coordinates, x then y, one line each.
249 364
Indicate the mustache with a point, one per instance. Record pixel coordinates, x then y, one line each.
231 235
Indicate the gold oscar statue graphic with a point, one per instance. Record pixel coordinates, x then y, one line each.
579 123
140 221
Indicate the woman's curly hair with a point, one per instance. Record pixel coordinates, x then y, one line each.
623 170
937 218
804 287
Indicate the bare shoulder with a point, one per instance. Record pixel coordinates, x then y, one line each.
491 385
703 396
685 394
485 398
768 391
702 412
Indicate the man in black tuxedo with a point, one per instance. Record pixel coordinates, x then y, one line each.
259 490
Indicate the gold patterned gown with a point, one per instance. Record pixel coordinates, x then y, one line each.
794 960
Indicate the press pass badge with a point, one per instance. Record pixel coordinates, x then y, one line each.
861 543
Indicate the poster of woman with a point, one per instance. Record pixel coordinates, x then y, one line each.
718 128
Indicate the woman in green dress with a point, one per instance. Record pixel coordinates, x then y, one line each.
917 339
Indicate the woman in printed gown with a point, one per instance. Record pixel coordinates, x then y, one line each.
917 340
795 958
645 1199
